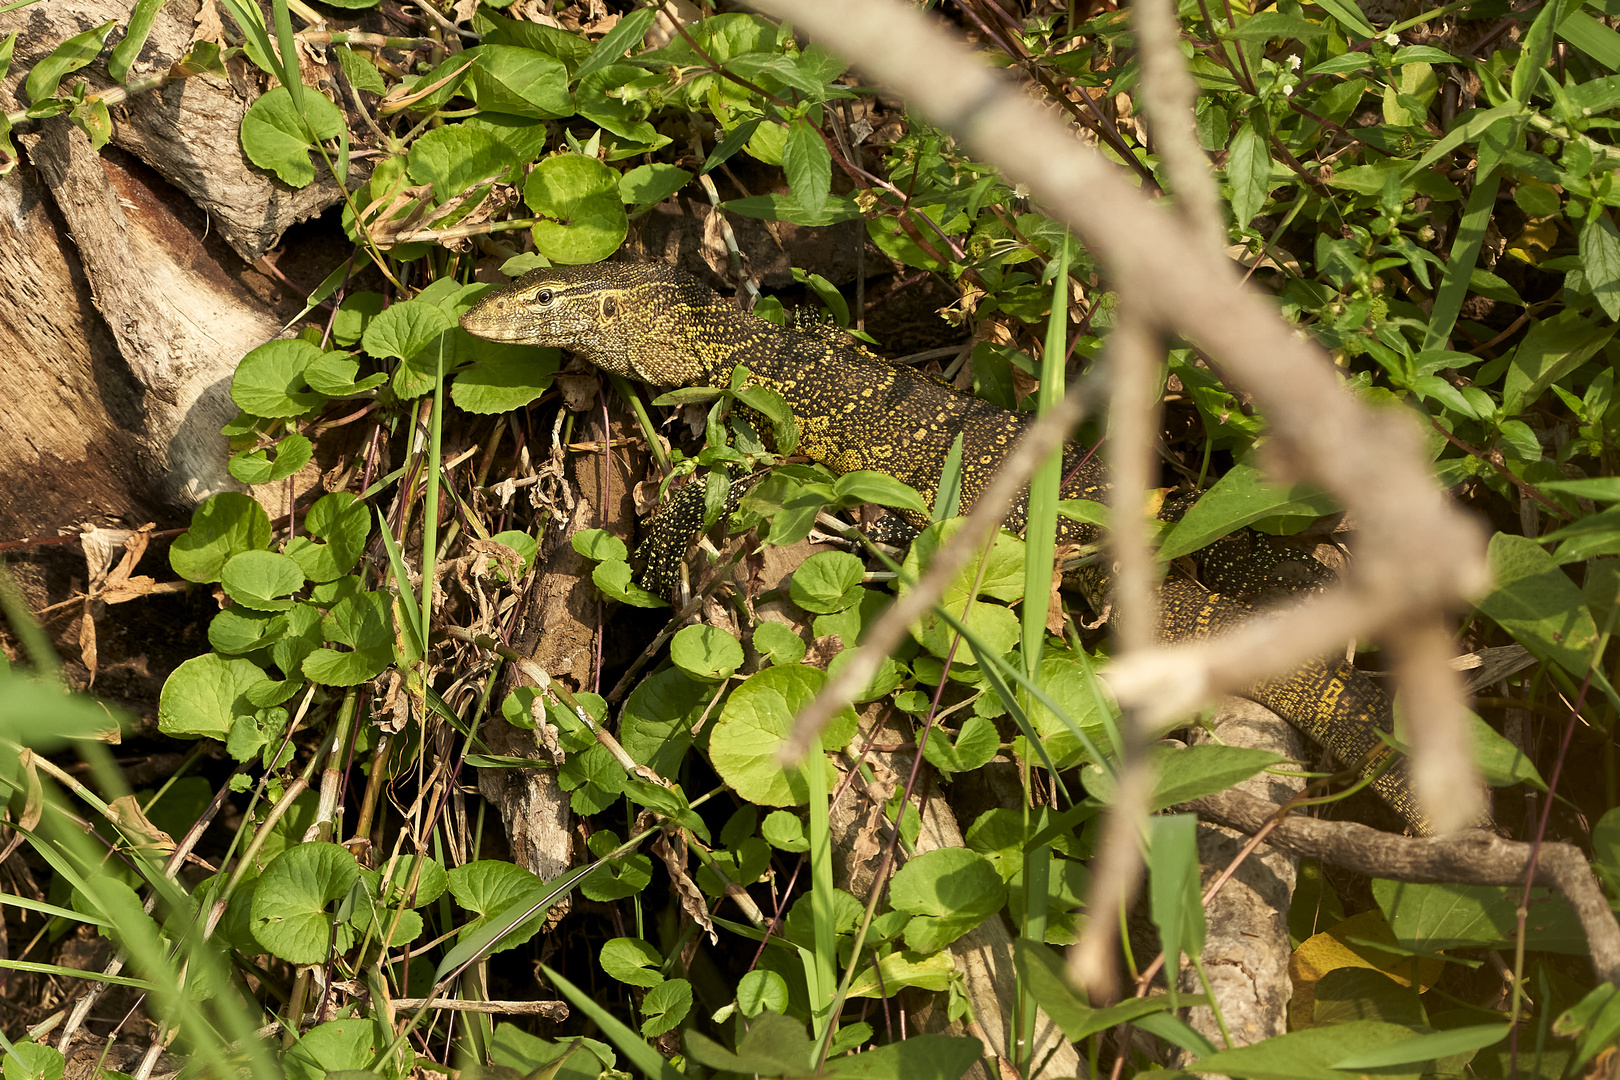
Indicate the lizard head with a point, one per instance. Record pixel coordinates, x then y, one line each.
626 318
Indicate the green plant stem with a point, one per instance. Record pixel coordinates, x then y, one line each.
821 970
1432 13
648 428
332 775
1541 122
430 500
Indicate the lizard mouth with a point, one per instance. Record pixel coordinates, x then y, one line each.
490 326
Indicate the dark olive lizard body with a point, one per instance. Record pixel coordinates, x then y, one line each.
857 411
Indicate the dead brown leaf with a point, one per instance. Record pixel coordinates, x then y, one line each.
692 901
126 813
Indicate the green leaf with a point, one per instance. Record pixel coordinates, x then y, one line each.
406 329
808 165
614 578
262 580
625 36
599 545
1550 350
632 961
1430 1047
365 623
999 834
868 486
1432 918
1303 1055
828 581
976 743
705 652
355 314
46 717
1537 49
270 380
1240 498
1071 683
357 68
522 82
1042 972
495 890
74 53
760 990
769 403
1596 488
665 1006
1470 237
289 901
778 642
1276 24
1595 39
774 1045
644 1057
1003 579
256 466
225 525
276 136
1174 891
920 1057
947 892
505 378
455 157
753 725
655 726
341 1050
1595 1019
617 878
344 523
338 375
1606 850
788 208
1538 604
579 198
1248 170
785 832
1500 762
136 32
1600 261
1183 773
647 185
34 1061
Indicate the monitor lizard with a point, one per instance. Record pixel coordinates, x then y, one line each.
856 410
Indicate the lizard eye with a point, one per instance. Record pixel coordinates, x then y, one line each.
543 297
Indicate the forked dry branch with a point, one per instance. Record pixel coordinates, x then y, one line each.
1419 557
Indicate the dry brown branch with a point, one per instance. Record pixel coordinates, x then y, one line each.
1433 692
1473 858
550 1010
1167 95
1419 555
1134 352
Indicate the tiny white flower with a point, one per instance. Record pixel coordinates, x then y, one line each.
1288 91
1293 63
1392 39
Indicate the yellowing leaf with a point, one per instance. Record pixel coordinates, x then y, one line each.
1352 943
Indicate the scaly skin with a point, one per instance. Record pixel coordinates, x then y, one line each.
857 411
